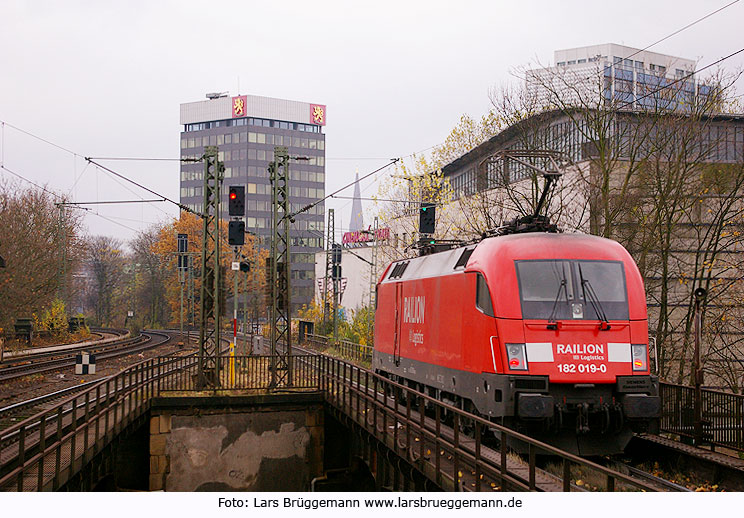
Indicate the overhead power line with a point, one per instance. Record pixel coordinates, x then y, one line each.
21 130
677 32
164 198
109 202
145 159
311 205
335 197
679 79
17 175
165 159
683 28
57 196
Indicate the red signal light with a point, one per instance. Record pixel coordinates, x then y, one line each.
233 195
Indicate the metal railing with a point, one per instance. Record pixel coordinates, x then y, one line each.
722 415
432 435
344 348
46 450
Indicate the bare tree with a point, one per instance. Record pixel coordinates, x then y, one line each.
656 184
150 285
106 265
39 247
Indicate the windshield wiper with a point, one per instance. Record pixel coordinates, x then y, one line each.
552 324
591 296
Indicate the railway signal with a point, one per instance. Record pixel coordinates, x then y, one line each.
183 248
336 254
236 233
236 200
427 218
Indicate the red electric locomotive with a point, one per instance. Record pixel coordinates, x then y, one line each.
544 332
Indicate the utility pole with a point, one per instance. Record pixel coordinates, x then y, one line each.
280 268
330 232
373 277
182 246
700 294
190 293
209 332
236 238
336 275
246 350
62 277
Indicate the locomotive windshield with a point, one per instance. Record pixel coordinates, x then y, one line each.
572 289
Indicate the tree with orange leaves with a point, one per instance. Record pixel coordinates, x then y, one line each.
166 245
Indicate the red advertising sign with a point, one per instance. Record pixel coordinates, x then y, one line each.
352 239
318 114
239 106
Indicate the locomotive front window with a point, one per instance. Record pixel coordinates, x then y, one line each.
606 281
567 289
546 288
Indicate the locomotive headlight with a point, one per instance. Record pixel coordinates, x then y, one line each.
516 356
640 357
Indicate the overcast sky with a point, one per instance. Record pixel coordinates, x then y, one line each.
105 79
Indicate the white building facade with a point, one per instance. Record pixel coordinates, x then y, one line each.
612 72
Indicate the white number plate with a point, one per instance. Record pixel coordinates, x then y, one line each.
582 368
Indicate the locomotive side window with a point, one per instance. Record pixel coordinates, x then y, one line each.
482 296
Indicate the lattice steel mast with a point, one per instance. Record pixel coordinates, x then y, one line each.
329 264
280 266
209 345
373 267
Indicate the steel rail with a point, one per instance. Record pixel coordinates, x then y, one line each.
13 409
388 411
439 435
67 350
114 350
667 484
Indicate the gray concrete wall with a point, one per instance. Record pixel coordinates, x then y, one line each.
265 448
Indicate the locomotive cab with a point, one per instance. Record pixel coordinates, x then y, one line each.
546 333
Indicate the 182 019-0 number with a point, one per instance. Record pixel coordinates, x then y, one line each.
581 368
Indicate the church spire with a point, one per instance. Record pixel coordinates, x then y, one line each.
357 219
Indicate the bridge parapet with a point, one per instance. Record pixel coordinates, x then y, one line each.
443 443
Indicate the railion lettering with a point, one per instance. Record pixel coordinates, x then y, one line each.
579 348
413 309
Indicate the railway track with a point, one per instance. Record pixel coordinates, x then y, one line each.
702 467
40 363
23 409
491 448
20 411
52 351
661 483
715 474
